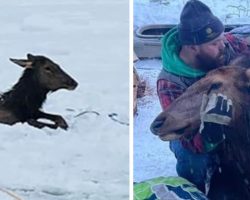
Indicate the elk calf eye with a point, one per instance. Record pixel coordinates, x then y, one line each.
48 69
214 86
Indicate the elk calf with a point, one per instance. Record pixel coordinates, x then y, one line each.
22 103
182 119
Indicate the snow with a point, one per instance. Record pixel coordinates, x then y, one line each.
168 11
91 159
152 157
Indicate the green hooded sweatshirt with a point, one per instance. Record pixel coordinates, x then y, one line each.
170 57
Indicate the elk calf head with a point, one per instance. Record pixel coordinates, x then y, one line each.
49 75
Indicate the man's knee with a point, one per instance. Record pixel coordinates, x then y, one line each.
196 174
193 166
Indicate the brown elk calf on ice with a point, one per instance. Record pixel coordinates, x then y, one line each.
183 118
23 102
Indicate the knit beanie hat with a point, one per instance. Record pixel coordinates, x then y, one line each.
197 24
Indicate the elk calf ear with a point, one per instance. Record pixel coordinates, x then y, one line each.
31 57
22 62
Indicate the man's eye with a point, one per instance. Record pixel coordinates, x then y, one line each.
216 43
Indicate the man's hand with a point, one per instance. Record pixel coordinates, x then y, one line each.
216 108
216 114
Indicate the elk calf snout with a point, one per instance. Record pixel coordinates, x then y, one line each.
157 125
71 84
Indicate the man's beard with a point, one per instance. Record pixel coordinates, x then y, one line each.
206 63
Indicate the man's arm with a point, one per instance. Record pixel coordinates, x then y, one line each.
167 92
238 44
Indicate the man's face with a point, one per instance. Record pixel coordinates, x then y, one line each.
210 55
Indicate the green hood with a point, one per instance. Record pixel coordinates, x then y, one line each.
170 57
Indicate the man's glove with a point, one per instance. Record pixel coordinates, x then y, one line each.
216 116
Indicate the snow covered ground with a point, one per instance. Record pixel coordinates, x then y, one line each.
152 157
89 39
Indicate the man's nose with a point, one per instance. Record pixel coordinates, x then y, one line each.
222 45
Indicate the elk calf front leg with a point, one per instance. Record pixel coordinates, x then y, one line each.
59 121
37 124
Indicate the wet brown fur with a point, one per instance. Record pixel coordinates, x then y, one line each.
183 118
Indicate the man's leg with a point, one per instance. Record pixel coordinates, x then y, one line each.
193 167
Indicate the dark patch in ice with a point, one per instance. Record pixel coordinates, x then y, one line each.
114 116
55 191
87 112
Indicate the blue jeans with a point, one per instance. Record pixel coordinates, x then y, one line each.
195 167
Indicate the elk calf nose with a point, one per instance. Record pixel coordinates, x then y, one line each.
72 84
157 124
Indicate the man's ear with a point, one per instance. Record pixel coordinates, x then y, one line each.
194 48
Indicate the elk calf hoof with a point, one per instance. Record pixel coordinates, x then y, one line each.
60 122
